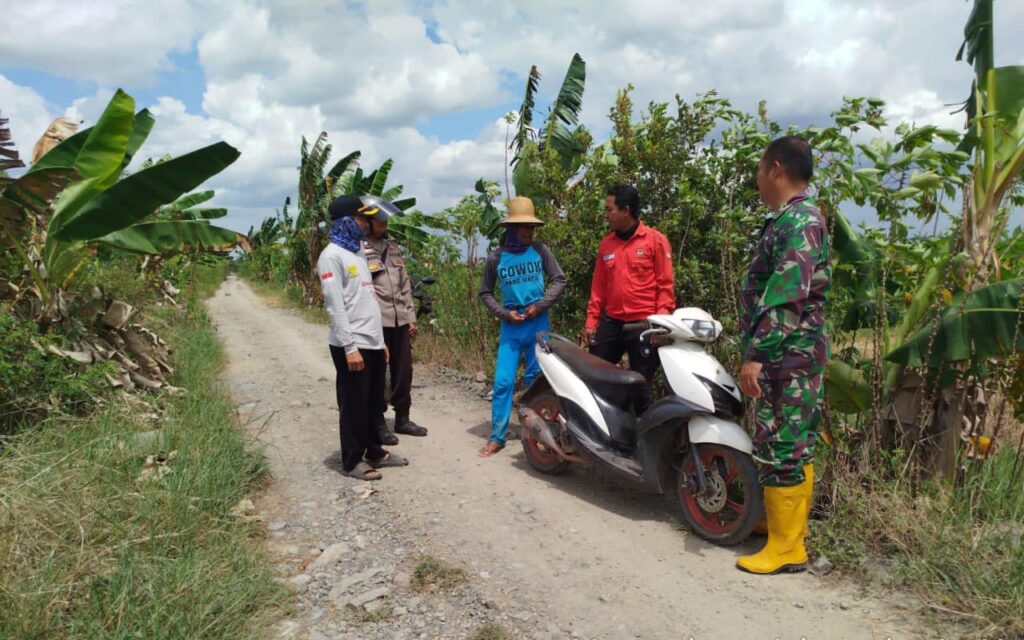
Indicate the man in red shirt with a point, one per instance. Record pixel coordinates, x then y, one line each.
632 280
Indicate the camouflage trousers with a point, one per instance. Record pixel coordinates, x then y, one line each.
786 420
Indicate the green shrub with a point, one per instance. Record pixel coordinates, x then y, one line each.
33 384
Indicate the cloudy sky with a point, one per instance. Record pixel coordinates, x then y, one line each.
426 83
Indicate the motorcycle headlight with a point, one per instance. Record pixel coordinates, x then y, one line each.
704 330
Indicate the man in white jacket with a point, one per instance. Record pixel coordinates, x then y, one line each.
356 335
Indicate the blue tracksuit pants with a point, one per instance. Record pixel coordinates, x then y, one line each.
516 341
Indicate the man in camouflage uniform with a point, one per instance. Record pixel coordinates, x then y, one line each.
785 348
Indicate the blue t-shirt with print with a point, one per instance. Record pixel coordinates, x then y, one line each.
521 278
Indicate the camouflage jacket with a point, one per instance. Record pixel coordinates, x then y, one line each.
782 304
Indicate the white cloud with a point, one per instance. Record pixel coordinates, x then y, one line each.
369 73
28 115
106 41
377 69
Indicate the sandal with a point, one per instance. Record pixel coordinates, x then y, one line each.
362 471
490 449
389 460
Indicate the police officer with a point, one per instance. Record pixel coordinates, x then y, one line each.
394 295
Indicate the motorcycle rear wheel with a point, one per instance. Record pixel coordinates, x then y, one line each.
728 512
540 457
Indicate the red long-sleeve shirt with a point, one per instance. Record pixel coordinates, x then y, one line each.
632 278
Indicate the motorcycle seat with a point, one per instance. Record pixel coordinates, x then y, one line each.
590 368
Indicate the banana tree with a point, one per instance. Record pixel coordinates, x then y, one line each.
957 320
996 136
560 134
77 197
317 189
995 110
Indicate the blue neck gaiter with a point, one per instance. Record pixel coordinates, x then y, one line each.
346 233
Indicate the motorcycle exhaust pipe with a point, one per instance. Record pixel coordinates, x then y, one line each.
529 419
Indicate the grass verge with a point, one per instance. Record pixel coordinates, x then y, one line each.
961 551
90 550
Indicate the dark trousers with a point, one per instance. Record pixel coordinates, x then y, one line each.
610 342
360 400
400 345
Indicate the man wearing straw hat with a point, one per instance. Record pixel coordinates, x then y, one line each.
518 269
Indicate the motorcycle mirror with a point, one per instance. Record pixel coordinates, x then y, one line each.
427 280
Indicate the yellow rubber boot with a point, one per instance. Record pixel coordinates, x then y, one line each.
786 509
761 528
808 485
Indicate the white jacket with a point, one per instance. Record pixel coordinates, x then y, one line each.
349 299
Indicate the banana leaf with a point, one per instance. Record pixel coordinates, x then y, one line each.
988 323
864 258
978 38
565 112
344 165
102 153
979 46
9 157
201 213
569 102
188 201
67 258
847 388
141 127
391 193
173 237
380 177
1008 85
34 191
526 176
524 129
406 234
405 204
138 195
66 153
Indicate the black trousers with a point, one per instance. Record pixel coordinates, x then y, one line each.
400 345
610 342
360 401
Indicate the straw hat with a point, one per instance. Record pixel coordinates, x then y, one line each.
520 211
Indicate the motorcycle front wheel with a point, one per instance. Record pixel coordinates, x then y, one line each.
730 507
540 457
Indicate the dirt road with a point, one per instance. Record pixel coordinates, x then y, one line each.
572 556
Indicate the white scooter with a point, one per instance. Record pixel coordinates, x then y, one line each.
580 410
